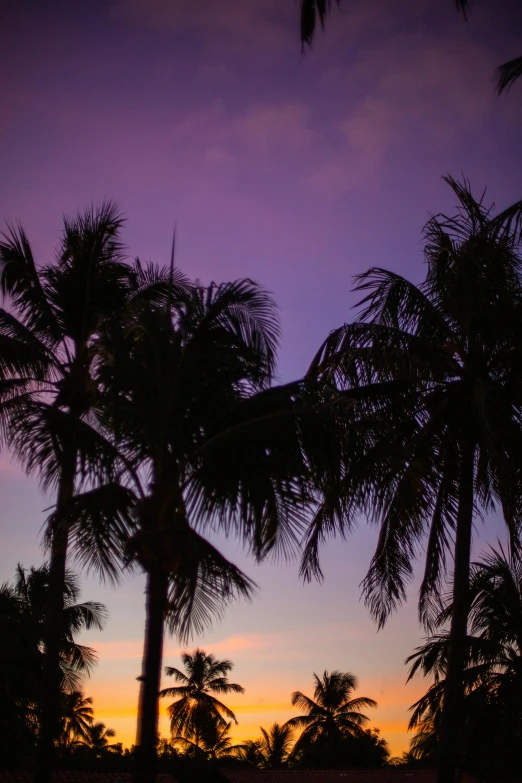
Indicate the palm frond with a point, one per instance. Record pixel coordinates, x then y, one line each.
202 585
21 281
508 73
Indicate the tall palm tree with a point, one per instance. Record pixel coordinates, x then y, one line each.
47 390
188 401
196 708
332 715
493 673
49 402
432 377
77 718
316 11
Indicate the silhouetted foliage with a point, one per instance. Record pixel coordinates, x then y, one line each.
492 677
332 733
22 618
314 12
431 376
198 716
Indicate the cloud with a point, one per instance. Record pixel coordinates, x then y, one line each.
10 470
411 91
232 27
132 649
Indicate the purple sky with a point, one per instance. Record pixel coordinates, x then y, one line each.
296 171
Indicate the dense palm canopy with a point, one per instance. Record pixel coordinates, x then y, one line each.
197 712
431 378
493 673
332 714
314 12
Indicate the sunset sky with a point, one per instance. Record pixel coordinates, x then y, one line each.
297 171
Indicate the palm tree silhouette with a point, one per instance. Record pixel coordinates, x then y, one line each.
98 737
197 711
77 718
186 394
22 625
214 742
493 673
47 389
432 374
275 746
332 714
50 402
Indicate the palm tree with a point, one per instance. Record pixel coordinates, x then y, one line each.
214 742
22 623
493 673
275 746
431 374
314 11
98 737
49 402
332 715
77 718
196 709
187 398
47 390
23 605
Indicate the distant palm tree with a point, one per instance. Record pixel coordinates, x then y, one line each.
77 718
432 374
275 746
315 11
197 713
98 737
215 742
332 714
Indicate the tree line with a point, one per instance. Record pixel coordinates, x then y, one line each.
146 404
331 734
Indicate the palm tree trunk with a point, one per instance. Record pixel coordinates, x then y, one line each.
53 633
452 719
147 734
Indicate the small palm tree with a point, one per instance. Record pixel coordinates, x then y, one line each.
77 717
197 711
332 714
275 746
214 742
98 737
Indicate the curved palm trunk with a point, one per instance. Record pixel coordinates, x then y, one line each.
452 710
147 732
53 633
